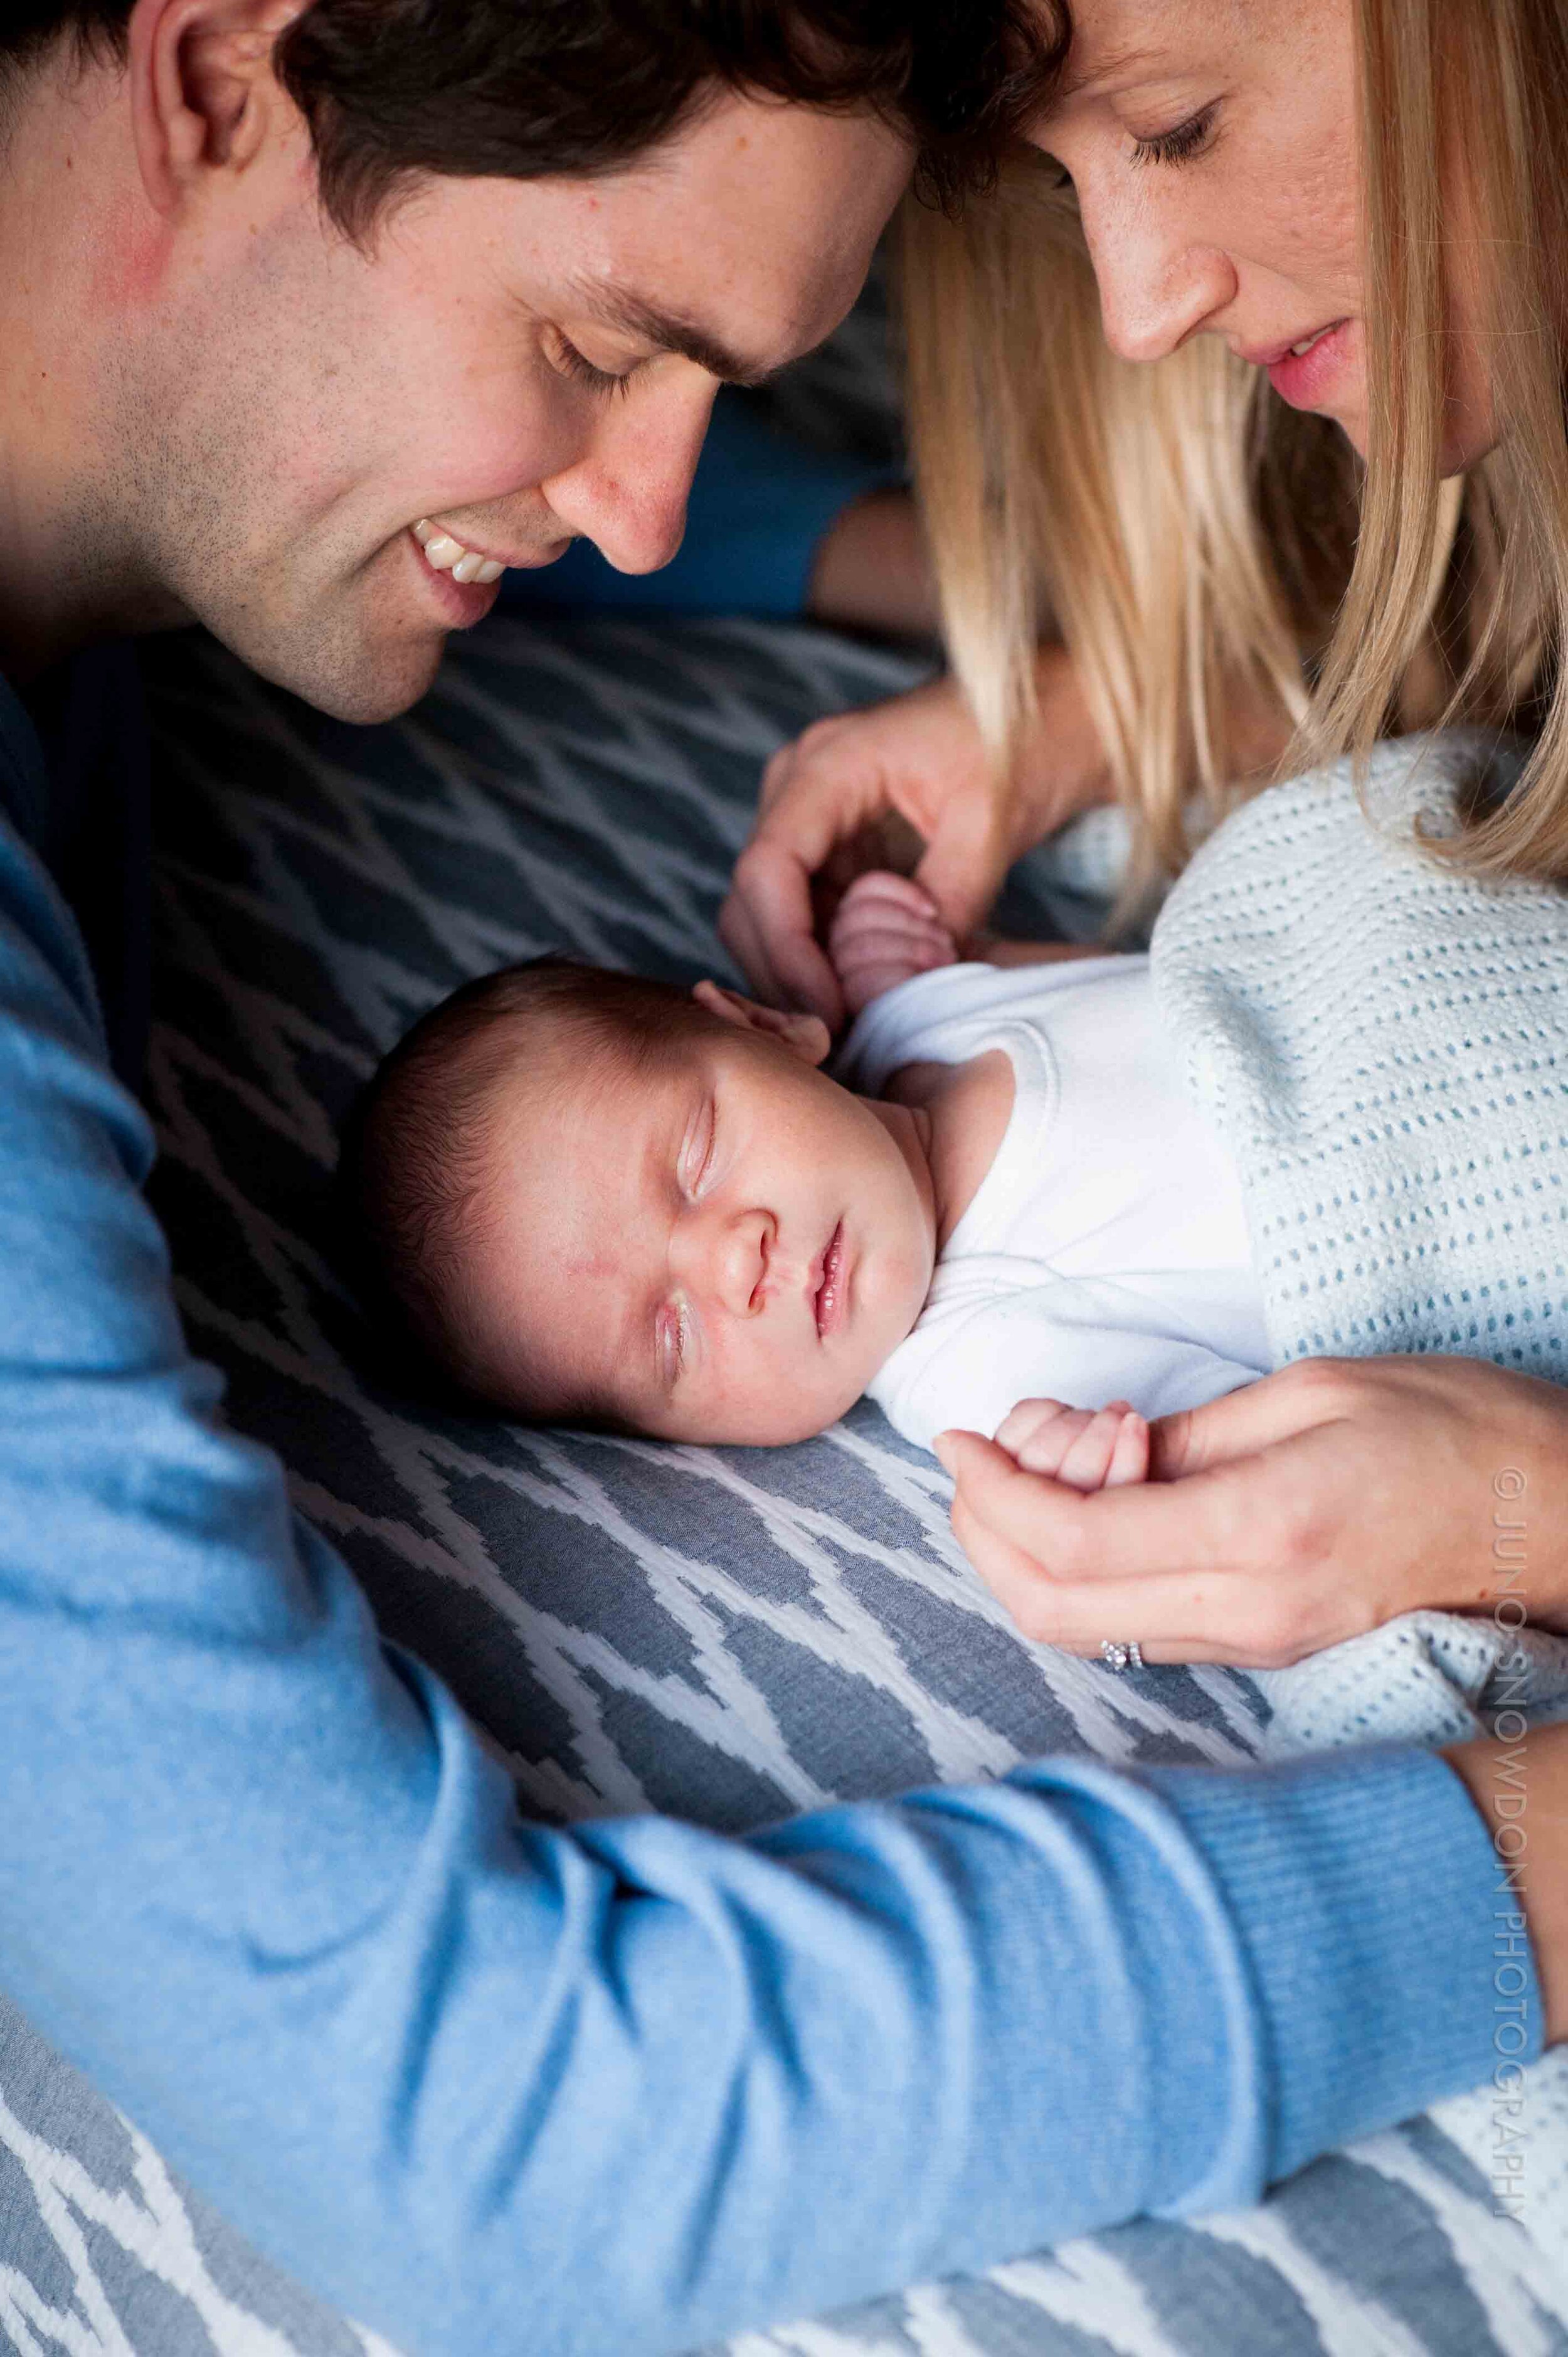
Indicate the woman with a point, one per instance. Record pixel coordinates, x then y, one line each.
1252 250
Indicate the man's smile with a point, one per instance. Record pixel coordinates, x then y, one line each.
465 578
446 554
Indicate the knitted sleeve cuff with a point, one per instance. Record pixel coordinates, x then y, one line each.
1376 1923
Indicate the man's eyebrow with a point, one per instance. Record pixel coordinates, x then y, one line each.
620 308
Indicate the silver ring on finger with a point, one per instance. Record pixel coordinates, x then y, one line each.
1121 1657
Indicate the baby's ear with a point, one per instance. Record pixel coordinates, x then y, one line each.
806 1036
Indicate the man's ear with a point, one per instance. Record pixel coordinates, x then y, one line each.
806 1036
203 93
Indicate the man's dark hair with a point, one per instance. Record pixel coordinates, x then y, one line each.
520 89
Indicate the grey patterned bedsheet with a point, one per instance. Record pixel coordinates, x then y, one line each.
724 1634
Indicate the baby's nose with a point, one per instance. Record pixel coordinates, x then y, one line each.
742 1256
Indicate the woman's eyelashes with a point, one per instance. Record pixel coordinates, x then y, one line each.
1181 144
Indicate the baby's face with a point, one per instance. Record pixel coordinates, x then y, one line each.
725 1248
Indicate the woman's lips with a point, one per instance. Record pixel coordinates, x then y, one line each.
828 1289
1306 379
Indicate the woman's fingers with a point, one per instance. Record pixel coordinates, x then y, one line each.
768 926
1173 1616
1242 1423
826 797
1134 1530
808 808
969 852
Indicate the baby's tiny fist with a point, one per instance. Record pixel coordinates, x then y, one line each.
1088 1451
888 930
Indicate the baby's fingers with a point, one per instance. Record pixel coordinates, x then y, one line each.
1031 1415
1070 1444
882 888
1129 1456
1050 1445
1086 1462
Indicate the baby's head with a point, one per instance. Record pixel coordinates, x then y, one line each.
590 1197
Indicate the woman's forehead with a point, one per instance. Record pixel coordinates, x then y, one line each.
1118 41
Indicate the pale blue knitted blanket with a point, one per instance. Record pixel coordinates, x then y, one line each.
1383 1041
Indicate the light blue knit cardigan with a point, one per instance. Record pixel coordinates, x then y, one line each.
1383 1041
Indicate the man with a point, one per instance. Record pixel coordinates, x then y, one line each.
314 317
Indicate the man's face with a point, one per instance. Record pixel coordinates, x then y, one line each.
725 1246
512 362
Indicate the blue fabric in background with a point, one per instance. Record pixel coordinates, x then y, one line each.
760 505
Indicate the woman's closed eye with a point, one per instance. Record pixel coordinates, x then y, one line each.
1180 145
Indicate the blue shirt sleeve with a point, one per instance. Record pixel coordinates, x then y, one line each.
487 2085
759 506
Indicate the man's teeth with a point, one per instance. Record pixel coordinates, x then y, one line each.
449 556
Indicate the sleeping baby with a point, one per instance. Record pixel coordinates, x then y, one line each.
591 1198
1327 1115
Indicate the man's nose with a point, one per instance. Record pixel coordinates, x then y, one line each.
1158 285
627 492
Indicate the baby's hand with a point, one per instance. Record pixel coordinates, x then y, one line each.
1086 1451
888 929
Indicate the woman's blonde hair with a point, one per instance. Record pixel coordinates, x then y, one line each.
1201 547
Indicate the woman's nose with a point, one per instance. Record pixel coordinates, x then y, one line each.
627 492
1158 286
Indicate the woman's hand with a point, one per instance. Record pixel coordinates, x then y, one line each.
827 799
1302 1510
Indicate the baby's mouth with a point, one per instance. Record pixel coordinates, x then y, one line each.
828 1293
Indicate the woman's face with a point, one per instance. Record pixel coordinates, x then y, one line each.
1213 147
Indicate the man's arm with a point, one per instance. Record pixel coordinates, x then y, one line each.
493 2087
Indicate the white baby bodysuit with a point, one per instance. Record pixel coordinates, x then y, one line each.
1104 1255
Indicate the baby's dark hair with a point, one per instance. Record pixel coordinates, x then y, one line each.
412 1173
